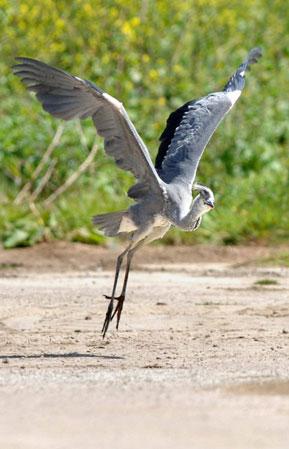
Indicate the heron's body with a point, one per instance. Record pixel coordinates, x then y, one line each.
163 193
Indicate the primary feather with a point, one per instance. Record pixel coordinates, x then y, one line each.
67 97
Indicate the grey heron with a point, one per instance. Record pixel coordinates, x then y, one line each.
163 192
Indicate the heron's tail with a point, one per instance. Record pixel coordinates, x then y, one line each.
237 81
113 223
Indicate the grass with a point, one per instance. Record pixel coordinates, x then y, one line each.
266 282
280 260
135 54
239 216
8 265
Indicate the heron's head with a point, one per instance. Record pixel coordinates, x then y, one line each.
206 195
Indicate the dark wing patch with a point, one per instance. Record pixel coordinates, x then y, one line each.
173 122
190 127
190 138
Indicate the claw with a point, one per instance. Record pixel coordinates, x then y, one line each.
112 297
108 318
120 299
118 309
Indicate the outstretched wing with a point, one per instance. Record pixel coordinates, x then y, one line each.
190 127
67 97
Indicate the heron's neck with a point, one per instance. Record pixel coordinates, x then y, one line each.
189 221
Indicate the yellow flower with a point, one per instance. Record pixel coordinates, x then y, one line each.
23 8
87 8
127 29
135 21
145 58
153 74
59 24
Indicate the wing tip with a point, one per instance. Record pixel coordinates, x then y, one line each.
254 55
24 63
22 59
19 60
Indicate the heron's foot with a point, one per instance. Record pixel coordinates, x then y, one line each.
118 310
108 317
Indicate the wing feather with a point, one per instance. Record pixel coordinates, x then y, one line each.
67 97
190 128
199 121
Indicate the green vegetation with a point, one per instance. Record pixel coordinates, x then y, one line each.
266 282
153 56
6 266
281 260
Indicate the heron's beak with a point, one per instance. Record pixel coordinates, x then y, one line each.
210 203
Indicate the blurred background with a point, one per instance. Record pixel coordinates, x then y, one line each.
153 56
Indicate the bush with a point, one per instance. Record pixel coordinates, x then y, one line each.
153 56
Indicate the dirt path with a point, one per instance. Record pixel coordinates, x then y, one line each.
201 359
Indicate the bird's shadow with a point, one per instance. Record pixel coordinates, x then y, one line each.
47 355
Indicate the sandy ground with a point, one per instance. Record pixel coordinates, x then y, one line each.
201 359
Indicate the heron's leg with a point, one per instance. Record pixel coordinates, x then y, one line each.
121 297
109 311
159 232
